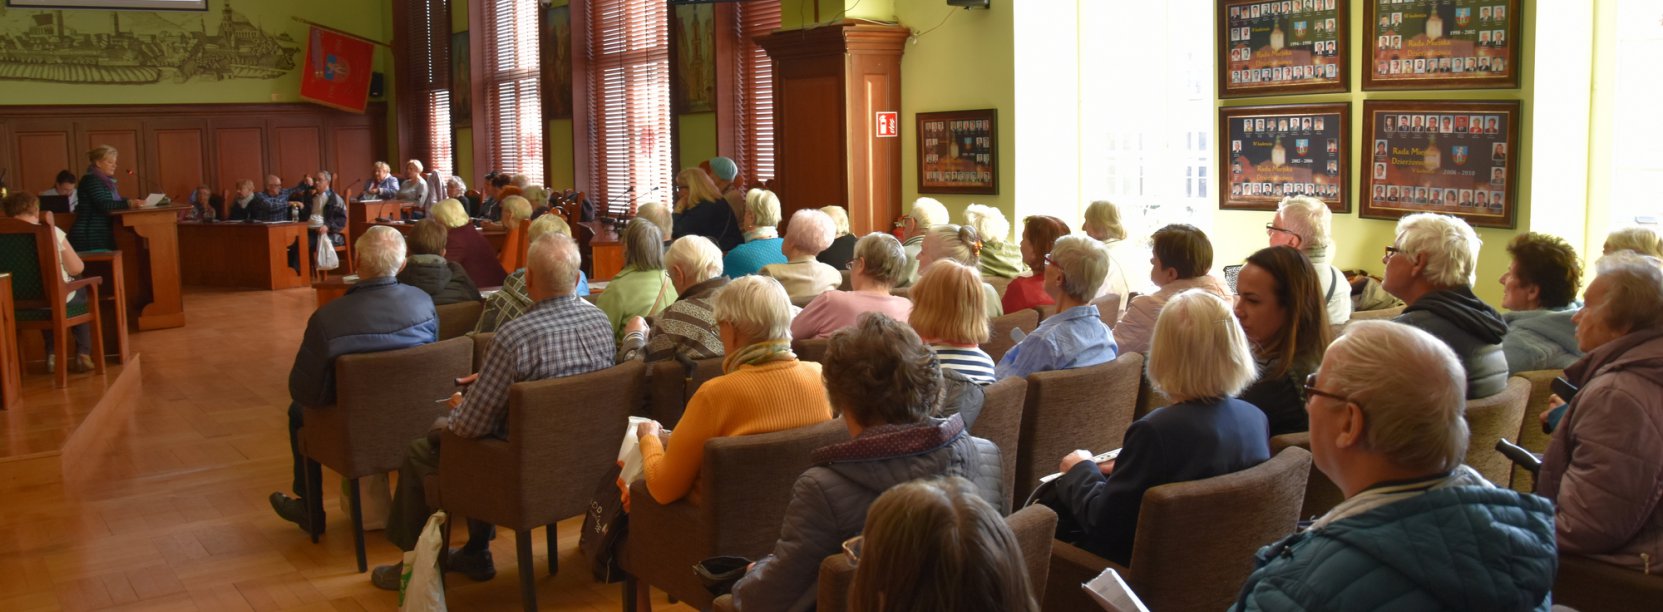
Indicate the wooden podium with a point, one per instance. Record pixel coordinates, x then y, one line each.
829 84
361 215
246 255
148 240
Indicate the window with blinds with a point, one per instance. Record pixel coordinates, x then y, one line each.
424 83
629 101
753 98
513 102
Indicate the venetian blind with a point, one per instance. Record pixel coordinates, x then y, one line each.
512 97
629 101
754 98
424 82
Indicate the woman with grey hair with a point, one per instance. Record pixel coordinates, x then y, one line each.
1604 467
641 288
1075 337
878 265
803 276
1387 428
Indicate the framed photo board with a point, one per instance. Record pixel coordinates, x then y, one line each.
1272 152
958 152
1447 157
1282 47
1441 44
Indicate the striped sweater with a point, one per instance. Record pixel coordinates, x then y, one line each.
688 326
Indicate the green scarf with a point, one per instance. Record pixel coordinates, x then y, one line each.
758 354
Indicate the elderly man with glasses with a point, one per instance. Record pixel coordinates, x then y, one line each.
1305 223
1431 268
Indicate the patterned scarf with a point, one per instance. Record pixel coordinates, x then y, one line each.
758 354
764 232
109 181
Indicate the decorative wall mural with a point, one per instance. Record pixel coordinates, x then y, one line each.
695 40
556 63
139 48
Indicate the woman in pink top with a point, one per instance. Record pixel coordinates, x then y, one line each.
879 264
1183 258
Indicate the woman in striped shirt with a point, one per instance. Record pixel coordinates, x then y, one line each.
948 312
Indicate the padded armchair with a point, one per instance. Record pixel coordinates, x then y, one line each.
40 295
1034 527
1490 419
1108 309
383 401
1195 540
1000 422
744 487
1530 434
1321 494
458 319
1087 408
670 385
481 344
563 436
1000 340
1588 584
810 350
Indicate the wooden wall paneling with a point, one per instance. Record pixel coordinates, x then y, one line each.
808 137
352 153
40 150
131 177
296 150
239 153
179 152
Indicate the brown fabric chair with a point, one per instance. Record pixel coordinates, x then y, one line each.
810 350
1000 422
1087 408
670 385
744 487
1034 527
1148 398
40 295
845 284
1321 494
999 284
1490 419
563 436
481 345
1046 311
1587 584
1195 540
458 319
383 401
1530 433
1000 340
1108 309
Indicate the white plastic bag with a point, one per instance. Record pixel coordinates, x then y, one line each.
421 588
373 495
327 259
629 455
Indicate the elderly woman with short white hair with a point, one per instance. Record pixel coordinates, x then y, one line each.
1387 428
999 257
1075 337
1431 267
879 262
1603 467
802 275
659 215
467 246
1304 223
1199 362
841 253
925 213
412 188
763 244
685 329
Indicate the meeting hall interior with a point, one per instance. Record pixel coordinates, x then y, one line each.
620 305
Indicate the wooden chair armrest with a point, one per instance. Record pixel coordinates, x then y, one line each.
72 286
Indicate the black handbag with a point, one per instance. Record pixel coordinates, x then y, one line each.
604 527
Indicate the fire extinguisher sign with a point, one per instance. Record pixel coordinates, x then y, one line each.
888 124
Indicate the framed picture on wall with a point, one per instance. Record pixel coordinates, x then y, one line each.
1276 48
1449 157
461 80
1272 152
958 152
1439 44
556 62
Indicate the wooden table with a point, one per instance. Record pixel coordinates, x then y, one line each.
333 287
361 215
246 255
11 370
148 239
604 252
112 298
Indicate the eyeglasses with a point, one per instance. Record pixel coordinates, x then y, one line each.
1391 250
1311 389
1049 261
851 264
1271 227
851 549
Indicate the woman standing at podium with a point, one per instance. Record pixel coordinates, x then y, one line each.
98 196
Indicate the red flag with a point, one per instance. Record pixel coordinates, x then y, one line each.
337 70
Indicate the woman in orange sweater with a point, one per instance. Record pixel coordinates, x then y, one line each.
763 388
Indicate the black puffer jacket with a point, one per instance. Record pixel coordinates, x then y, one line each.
1471 328
445 280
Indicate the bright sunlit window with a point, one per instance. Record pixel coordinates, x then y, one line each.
1636 167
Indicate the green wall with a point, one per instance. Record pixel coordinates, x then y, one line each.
695 138
1360 243
367 18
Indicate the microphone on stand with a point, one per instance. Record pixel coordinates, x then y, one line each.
606 215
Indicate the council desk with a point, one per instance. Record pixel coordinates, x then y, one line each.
245 255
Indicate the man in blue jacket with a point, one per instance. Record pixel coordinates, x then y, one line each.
378 314
1418 530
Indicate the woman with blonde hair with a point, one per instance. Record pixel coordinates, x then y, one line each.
1642 240
1199 361
950 319
962 244
467 246
760 222
641 289
841 253
694 215
878 265
999 258
1128 259
97 195
936 545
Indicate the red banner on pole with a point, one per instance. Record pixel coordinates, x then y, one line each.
338 68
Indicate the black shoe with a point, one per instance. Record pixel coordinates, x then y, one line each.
388 577
476 566
294 510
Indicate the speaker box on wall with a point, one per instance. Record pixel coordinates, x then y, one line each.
377 87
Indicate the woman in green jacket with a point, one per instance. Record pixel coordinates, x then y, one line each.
98 196
641 289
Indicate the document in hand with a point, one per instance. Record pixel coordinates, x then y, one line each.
1112 593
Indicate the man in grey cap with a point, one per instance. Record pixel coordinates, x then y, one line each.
726 173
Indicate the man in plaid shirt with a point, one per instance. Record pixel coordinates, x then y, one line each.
561 335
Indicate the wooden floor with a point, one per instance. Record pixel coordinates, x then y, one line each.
173 516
